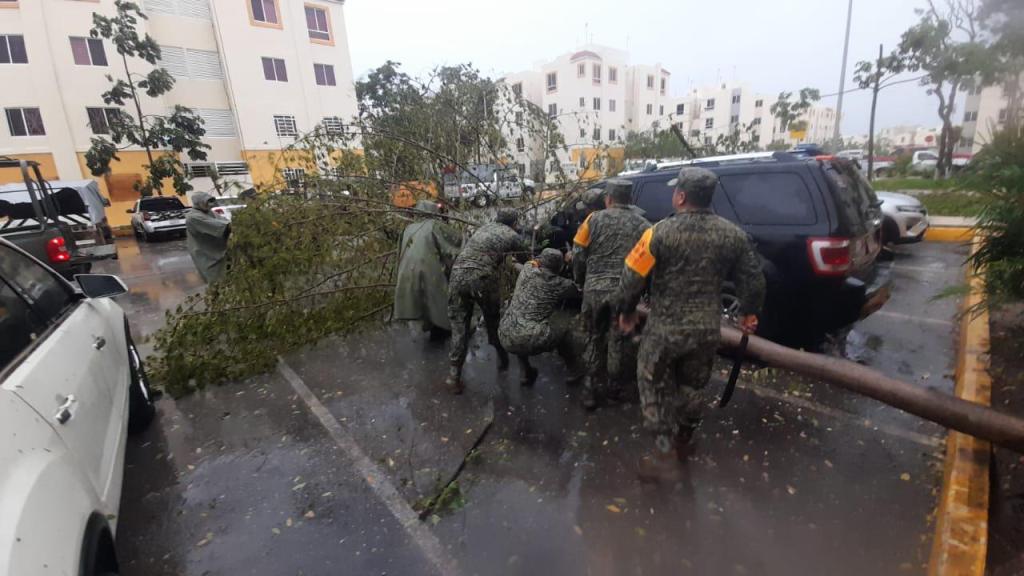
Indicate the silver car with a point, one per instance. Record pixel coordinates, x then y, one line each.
905 219
157 215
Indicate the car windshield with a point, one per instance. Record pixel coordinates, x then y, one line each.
162 204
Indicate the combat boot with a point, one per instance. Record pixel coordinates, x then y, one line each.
528 377
660 467
502 358
454 380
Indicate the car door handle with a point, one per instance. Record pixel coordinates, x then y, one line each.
99 342
64 410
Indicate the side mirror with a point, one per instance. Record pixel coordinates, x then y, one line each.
101 285
130 211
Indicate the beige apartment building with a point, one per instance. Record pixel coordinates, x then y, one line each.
985 113
259 72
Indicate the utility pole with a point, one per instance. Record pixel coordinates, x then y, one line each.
874 104
842 74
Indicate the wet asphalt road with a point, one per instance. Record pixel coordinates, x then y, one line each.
794 477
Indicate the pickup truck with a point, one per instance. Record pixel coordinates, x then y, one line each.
52 225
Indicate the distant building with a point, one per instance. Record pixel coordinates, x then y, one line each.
259 72
907 136
985 111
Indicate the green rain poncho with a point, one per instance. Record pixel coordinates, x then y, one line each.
207 238
427 252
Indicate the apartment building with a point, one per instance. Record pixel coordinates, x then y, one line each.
985 112
908 136
259 72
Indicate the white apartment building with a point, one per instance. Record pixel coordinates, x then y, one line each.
259 72
985 111
907 136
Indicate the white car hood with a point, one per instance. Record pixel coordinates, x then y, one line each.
898 199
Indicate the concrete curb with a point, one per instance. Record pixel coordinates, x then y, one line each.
960 545
948 234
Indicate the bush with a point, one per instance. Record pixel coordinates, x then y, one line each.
996 174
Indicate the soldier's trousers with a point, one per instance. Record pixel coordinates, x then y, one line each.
462 296
670 375
610 355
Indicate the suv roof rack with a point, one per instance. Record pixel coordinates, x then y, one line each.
730 159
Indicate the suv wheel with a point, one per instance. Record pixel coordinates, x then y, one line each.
481 200
140 398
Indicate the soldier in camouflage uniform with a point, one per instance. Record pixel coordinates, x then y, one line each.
602 243
533 322
682 262
475 281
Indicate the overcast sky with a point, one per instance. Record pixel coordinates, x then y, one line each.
772 45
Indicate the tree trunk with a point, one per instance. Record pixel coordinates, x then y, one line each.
946 154
871 123
949 411
142 121
944 133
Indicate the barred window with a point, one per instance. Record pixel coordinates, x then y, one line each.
285 125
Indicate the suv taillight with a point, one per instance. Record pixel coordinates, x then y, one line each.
56 251
830 256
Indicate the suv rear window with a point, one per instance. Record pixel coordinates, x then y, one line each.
161 204
774 198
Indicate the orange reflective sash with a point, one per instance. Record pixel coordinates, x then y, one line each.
583 234
640 259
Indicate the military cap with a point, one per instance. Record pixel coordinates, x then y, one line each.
551 259
691 177
619 190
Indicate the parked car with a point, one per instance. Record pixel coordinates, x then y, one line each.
904 218
225 205
72 385
817 226
924 161
499 185
851 154
157 215
63 226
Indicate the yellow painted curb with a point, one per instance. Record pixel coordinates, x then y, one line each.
961 530
948 234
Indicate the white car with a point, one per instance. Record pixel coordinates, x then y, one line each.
223 206
71 387
904 218
157 215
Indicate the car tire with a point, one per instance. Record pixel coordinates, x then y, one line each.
141 408
481 200
144 236
890 231
135 232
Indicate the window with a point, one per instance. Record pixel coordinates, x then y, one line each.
650 82
318 23
294 177
709 123
12 49
597 103
188 8
710 104
611 105
583 132
583 102
581 70
88 51
734 119
333 125
970 116
264 11
780 199
25 122
47 297
707 140
520 144
273 69
694 133
613 75
611 134
218 122
517 89
597 133
191 63
758 103
552 81
285 126
18 327
100 119
1002 115
680 109
755 122
324 74
552 110
966 142
519 116
663 85
735 98
650 109
661 110
597 73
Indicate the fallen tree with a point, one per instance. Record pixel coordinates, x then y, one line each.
949 411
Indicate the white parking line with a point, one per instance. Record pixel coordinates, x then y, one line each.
374 476
910 318
909 435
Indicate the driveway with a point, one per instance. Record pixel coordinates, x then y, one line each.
313 469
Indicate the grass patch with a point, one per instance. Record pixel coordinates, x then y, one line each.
951 203
899 184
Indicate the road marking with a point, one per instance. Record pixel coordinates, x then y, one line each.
909 435
374 476
910 318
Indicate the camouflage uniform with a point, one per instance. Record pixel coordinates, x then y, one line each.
683 262
603 242
474 280
533 322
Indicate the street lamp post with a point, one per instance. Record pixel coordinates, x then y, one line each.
842 74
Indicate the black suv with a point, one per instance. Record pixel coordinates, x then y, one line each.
817 225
